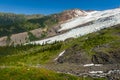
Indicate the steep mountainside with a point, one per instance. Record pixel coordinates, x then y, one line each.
92 22
15 23
32 27
95 55
59 27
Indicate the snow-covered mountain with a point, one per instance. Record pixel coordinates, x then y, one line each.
75 13
70 14
97 19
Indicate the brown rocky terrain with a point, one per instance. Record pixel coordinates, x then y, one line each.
69 14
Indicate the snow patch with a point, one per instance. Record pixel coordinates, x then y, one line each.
95 72
88 65
60 55
98 64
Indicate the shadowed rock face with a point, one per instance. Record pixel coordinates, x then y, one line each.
72 55
112 57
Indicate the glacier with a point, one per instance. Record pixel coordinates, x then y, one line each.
100 20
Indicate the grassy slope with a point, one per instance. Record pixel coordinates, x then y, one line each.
31 54
35 54
26 73
13 23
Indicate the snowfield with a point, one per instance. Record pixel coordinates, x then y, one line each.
91 16
61 54
101 20
88 65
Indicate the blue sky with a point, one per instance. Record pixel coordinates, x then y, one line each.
54 6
